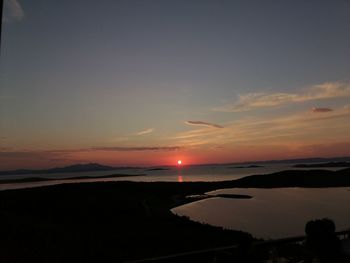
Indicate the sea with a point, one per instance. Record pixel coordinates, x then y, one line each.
269 214
272 213
194 173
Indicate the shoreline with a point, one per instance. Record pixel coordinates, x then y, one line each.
44 179
132 217
286 178
124 220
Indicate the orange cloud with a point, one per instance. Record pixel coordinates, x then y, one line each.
203 123
132 149
253 101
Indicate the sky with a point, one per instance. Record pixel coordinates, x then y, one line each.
150 82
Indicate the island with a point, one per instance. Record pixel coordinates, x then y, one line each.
76 168
44 179
123 221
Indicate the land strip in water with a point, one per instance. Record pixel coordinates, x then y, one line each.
117 221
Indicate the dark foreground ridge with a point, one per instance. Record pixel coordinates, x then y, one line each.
103 222
118 221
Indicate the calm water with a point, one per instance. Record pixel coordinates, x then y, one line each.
174 174
272 213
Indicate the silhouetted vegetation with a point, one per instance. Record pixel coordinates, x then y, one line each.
321 241
116 221
102 222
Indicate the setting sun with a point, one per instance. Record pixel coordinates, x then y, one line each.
179 162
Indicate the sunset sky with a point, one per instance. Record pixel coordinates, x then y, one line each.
150 82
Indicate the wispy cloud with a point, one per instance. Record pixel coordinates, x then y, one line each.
143 132
318 110
252 101
28 154
303 126
8 153
132 148
13 11
203 123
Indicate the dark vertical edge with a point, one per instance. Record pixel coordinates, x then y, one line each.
2 15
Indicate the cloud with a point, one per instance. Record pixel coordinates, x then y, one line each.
4 149
131 148
8 153
13 11
203 123
147 131
10 158
331 149
251 101
317 110
303 127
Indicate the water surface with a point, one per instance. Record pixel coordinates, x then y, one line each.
272 213
207 173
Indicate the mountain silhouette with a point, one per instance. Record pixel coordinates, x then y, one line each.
89 167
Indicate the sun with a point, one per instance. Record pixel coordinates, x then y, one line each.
179 162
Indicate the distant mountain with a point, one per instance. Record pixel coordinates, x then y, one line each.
301 160
89 167
329 164
282 161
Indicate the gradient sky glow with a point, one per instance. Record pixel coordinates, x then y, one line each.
151 82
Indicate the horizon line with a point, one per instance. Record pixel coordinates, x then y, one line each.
190 164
